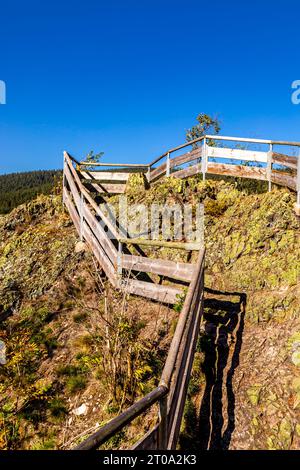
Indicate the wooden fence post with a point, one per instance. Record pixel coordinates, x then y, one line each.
149 174
163 425
269 167
168 165
64 182
119 259
204 159
81 215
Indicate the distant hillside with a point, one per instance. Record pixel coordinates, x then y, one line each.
17 188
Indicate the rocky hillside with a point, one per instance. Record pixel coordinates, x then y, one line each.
78 352
245 391
74 352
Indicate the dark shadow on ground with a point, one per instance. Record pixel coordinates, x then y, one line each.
221 340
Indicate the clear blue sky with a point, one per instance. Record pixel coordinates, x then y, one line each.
128 77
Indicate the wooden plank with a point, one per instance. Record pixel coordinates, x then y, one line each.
71 158
122 420
183 356
72 210
126 166
180 342
87 195
180 271
74 191
284 179
237 154
240 139
186 157
130 171
110 188
180 328
164 294
149 441
100 254
108 181
241 171
114 188
175 149
186 172
192 246
285 160
180 160
184 369
106 176
72 169
160 170
100 234
107 188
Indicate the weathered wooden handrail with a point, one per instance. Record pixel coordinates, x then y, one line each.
86 194
225 138
254 141
176 341
175 149
267 169
233 163
122 420
180 357
104 239
121 165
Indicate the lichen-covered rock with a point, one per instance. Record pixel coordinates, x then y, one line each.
136 184
252 241
34 250
253 394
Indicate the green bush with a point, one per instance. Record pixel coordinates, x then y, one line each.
76 383
80 317
57 408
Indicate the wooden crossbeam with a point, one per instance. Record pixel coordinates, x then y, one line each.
171 269
192 246
160 293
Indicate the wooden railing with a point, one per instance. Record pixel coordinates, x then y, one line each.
95 228
172 389
107 245
206 156
210 154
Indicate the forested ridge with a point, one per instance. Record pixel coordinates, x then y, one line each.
17 188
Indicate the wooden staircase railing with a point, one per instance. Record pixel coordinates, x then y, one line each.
104 239
107 245
172 389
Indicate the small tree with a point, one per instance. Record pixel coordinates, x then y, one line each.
206 125
93 158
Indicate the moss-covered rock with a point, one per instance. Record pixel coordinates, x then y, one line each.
254 393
